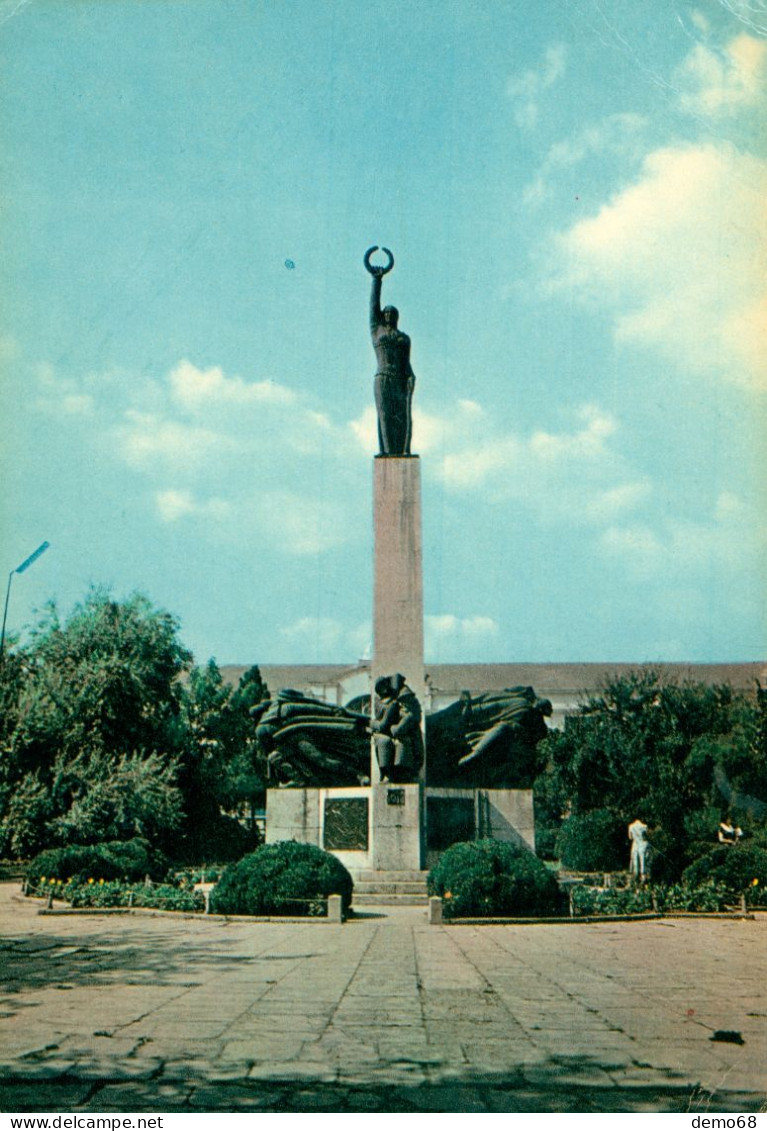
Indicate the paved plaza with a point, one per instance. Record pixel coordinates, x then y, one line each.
147 1013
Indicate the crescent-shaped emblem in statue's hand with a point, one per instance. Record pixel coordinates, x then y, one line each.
373 268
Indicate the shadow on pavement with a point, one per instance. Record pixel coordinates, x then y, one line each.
468 1095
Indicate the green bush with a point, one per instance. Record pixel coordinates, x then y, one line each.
113 860
492 877
162 897
736 866
610 901
204 874
218 837
596 841
546 841
285 878
709 896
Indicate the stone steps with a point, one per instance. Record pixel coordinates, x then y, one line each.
391 876
396 888
384 899
403 887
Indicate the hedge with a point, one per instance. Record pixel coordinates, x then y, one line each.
285 878
594 842
741 867
113 860
493 878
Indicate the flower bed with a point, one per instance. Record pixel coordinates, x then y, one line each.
113 893
661 898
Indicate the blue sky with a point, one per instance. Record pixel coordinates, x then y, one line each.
574 193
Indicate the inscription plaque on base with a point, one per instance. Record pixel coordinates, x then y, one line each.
346 824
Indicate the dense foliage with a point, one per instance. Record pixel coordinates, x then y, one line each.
162 897
102 893
493 878
219 768
115 860
285 878
740 867
593 841
108 733
679 756
662 898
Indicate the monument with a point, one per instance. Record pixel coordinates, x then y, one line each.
388 789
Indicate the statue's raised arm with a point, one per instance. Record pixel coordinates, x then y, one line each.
394 379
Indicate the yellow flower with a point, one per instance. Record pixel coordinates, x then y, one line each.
90 881
101 881
51 880
448 895
42 879
754 882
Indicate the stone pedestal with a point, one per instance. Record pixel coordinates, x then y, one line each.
396 827
293 814
398 571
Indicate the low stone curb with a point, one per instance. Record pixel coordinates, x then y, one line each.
559 919
159 911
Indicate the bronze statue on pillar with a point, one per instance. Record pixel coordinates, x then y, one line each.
394 379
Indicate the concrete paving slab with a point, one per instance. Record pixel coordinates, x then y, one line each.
383 1014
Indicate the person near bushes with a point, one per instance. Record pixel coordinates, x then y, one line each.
640 849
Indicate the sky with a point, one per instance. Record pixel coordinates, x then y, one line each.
574 193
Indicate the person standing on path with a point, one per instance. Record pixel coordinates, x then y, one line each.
639 849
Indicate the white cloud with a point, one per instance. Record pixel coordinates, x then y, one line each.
447 635
173 505
59 395
202 423
618 134
149 441
200 389
324 633
733 535
615 501
301 524
528 457
680 257
479 626
327 636
433 433
526 89
720 83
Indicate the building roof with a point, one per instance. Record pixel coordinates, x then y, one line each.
570 679
574 678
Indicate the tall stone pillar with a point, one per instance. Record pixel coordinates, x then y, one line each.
397 813
398 573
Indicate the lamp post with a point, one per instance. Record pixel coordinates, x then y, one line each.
19 569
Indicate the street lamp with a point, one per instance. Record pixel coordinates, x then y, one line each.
19 569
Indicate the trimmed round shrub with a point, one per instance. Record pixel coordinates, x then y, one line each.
594 842
736 865
113 860
285 878
492 878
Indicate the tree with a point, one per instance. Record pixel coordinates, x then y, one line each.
219 768
679 755
91 727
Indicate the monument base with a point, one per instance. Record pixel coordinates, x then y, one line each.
396 827
389 828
